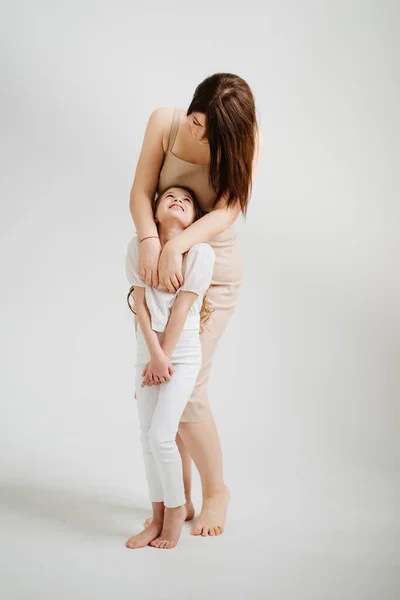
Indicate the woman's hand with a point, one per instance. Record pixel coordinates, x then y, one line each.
149 253
157 370
170 268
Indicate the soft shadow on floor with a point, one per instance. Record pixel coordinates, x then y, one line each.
84 511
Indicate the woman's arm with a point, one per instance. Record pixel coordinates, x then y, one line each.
205 228
146 175
216 221
143 191
202 230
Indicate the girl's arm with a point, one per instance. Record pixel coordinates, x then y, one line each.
200 262
176 321
159 368
144 318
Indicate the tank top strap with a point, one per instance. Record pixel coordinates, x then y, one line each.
174 129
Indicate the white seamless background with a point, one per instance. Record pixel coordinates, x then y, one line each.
305 378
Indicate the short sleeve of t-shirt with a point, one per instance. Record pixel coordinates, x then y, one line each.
199 268
131 263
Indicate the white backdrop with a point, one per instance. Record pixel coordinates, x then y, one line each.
305 378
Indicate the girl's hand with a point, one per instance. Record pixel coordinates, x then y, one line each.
157 370
170 268
149 252
149 378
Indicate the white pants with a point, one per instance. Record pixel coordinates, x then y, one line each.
160 408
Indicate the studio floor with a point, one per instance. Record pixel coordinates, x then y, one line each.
62 542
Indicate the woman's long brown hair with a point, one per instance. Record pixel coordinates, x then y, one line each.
206 310
232 128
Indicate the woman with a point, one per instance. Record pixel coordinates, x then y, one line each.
213 148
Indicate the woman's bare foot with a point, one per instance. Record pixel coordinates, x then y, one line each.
174 519
146 536
211 520
190 512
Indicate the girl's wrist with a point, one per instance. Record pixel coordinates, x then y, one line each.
157 351
166 352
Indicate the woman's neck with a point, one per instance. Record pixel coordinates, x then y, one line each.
200 149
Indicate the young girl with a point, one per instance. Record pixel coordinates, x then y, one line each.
169 358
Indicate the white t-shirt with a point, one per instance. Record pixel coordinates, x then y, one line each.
197 270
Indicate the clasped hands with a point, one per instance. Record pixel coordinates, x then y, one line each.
158 369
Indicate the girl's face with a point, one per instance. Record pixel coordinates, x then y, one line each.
176 205
197 123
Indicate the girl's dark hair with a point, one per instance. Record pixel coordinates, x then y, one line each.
206 310
232 127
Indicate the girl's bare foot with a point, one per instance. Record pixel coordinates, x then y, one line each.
174 519
146 536
190 512
211 520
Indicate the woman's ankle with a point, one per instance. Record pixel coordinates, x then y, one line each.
210 490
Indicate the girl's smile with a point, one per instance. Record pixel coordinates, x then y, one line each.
176 205
179 201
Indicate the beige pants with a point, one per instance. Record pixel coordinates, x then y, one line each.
222 295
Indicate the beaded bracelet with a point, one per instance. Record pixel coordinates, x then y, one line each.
149 236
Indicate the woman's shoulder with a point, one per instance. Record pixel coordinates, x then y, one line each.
162 114
161 118
166 112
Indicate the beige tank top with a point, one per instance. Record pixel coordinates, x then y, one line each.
175 171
